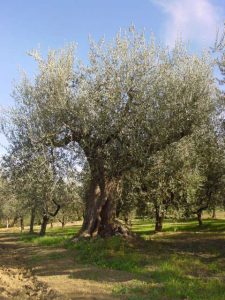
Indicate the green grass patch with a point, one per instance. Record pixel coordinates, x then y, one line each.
184 262
112 253
53 241
146 227
174 289
173 280
54 237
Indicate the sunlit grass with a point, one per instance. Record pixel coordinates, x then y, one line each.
54 236
147 227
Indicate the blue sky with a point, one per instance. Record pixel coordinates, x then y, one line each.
27 24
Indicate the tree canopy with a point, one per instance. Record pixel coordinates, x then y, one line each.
131 109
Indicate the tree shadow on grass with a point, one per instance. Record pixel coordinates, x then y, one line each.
51 261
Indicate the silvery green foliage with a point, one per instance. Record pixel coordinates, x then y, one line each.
8 201
219 48
204 173
128 111
133 98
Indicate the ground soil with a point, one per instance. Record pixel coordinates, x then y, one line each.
17 281
32 272
47 273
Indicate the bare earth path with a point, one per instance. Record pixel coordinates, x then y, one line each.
46 273
16 280
32 272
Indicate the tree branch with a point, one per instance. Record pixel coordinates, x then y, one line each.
57 209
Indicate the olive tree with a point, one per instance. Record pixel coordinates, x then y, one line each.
162 182
204 173
70 201
133 98
8 202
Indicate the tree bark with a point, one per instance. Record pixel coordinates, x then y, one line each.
32 218
199 216
159 217
63 222
44 225
92 206
46 218
214 213
21 224
108 225
14 221
100 208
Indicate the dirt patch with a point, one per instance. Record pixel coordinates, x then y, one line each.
21 284
59 270
39 272
16 280
46 273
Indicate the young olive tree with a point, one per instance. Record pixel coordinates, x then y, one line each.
205 173
35 173
161 182
132 99
32 183
8 202
70 201
21 175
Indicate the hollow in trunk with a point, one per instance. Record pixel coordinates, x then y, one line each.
100 209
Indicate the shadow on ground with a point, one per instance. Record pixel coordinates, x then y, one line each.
60 270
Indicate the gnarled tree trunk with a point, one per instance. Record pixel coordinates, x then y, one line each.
100 216
199 214
46 218
100 207
92 207
108 225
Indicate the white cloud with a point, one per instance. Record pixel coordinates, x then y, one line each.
195 20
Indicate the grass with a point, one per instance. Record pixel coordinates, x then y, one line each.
174 289
184 262
146 227
112 253
54 237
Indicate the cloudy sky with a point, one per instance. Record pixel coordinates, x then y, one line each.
195 20
27 24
